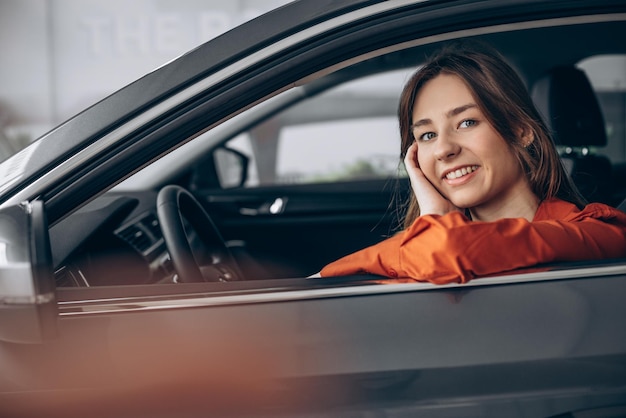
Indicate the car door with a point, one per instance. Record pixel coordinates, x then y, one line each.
535 341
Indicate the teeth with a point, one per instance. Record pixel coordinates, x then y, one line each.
461 172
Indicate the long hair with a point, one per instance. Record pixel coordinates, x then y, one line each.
504 100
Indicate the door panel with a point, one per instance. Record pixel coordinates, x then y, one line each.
525 349
296 230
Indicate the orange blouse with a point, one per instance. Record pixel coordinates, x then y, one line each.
452 248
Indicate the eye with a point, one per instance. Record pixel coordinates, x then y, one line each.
425 137
468 123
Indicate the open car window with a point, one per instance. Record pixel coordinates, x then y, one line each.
293 181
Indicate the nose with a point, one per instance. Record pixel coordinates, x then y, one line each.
446 147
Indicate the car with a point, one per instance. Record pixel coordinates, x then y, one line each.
261 156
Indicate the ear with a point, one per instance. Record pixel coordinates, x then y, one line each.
526 136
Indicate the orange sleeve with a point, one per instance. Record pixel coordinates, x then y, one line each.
451 248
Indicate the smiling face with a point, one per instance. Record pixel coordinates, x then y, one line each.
463 156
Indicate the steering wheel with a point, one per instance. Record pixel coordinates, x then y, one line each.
175 205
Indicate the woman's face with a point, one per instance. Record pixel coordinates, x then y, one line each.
460 152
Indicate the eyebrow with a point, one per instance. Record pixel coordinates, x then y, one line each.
449 114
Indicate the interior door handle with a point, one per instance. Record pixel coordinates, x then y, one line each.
274 207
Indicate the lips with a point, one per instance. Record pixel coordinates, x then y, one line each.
460 172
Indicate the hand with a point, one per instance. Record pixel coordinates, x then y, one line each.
430 201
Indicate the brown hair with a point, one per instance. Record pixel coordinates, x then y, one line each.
504 100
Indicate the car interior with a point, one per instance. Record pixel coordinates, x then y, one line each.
288 226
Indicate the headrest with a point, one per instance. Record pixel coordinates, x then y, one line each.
570 107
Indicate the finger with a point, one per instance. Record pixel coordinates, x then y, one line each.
410 159
414 152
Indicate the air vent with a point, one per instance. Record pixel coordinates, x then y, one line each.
137 237
151 222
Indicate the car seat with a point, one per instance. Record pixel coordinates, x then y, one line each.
571 109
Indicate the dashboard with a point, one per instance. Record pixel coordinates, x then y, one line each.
114 240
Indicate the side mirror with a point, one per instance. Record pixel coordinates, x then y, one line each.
231 167
28 305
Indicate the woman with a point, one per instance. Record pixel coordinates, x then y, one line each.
489 193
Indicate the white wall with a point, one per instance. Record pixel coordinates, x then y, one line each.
25 88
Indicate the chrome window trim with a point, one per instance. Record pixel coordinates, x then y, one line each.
109 140
158 303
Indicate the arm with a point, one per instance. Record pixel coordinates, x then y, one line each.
450 248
